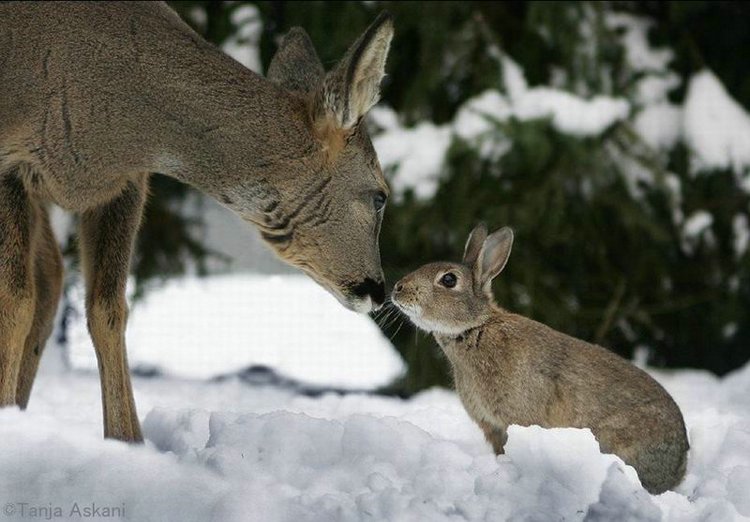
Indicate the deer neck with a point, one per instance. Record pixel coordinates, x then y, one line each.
226 129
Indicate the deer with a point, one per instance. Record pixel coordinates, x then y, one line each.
95 97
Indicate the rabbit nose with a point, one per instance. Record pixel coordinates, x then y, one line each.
398 287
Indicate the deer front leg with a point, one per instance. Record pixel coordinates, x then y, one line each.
17 215
48 274
107 236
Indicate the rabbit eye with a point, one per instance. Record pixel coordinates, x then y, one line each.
449 280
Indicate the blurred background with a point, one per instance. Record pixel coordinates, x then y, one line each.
614 137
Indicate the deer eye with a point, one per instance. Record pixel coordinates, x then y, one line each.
449 280
379 200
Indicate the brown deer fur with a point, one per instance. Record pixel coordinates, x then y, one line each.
97 96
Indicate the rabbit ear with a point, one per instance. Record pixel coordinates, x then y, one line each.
492 257
474 244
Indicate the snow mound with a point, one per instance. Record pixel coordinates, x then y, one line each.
389 469
620 500
230 452
201 328
48 464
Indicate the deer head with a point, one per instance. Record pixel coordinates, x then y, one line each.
327 218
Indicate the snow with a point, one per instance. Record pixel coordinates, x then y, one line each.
476 123
714 126
697 223
729 330
641 57
476 116
569 113
417 155
635 174
228 451
696 226
673 188
654 88
383 118
741 234
660 125
202 328
514 80
621 500
243 44
717 128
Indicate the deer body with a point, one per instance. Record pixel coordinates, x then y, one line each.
127 99
95 97
509 369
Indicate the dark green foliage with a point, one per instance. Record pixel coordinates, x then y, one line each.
590 259
704 33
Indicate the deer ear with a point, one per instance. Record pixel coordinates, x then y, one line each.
493 256
353 86
296 65
474 244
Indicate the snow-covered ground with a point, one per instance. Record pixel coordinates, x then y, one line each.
227 451
207 327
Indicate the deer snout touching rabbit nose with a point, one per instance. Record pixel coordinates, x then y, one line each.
512 370
369 287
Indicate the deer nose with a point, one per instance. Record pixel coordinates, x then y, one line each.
375 289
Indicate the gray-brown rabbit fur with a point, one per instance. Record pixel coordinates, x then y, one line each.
509 369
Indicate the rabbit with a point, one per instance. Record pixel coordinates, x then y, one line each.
509 369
